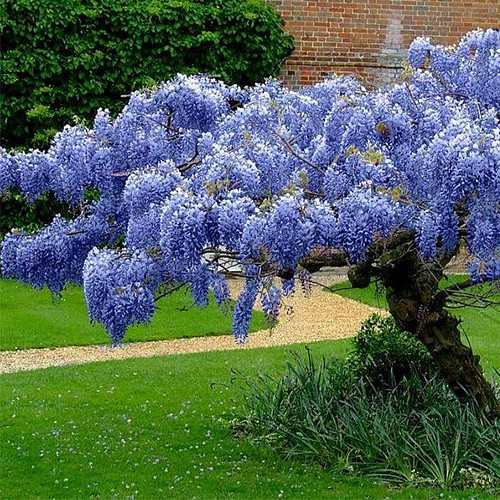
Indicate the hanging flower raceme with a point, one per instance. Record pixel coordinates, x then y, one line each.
183 234
245 304
364 217
233 214
221 289
119 289
150 186
470 71
196 177
224 170
55 255
288 234
271 302
144 230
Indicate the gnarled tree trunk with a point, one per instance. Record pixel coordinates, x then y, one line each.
418 306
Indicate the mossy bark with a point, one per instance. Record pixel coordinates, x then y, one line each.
418 306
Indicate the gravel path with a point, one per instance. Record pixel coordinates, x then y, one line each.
321 316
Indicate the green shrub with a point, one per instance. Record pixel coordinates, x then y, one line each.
382 352
17 212
414 432
66 58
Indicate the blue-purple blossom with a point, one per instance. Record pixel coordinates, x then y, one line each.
245 304
118 289
271 302
186 184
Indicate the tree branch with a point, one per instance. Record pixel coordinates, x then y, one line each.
458 286
326 257
294 153
169 291
184 167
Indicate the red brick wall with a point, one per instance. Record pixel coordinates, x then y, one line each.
368 38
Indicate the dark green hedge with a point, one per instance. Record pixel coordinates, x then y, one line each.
16 211
66 58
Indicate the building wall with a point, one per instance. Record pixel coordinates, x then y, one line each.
368 38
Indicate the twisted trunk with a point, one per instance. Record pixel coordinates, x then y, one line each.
418 307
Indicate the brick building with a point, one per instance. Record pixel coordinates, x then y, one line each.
369 37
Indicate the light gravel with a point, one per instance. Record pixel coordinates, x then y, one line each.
304 319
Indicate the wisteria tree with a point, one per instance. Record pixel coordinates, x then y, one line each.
196 179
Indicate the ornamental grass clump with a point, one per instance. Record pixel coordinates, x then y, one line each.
414 431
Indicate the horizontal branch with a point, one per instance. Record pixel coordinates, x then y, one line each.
326 257
451 293
458 286
169 291
184 167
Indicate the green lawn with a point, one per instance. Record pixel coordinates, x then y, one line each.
156 428
480 326
159 427
31 318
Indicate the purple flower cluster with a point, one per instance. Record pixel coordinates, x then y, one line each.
118 289
245 304
193 181
470 71
271 302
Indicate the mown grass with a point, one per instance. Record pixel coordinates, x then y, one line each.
31 318
157 428
479 326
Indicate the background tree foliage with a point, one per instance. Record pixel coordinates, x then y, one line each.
62 58
17 212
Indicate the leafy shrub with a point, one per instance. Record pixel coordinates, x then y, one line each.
66 58
413 432
382 352
17 212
